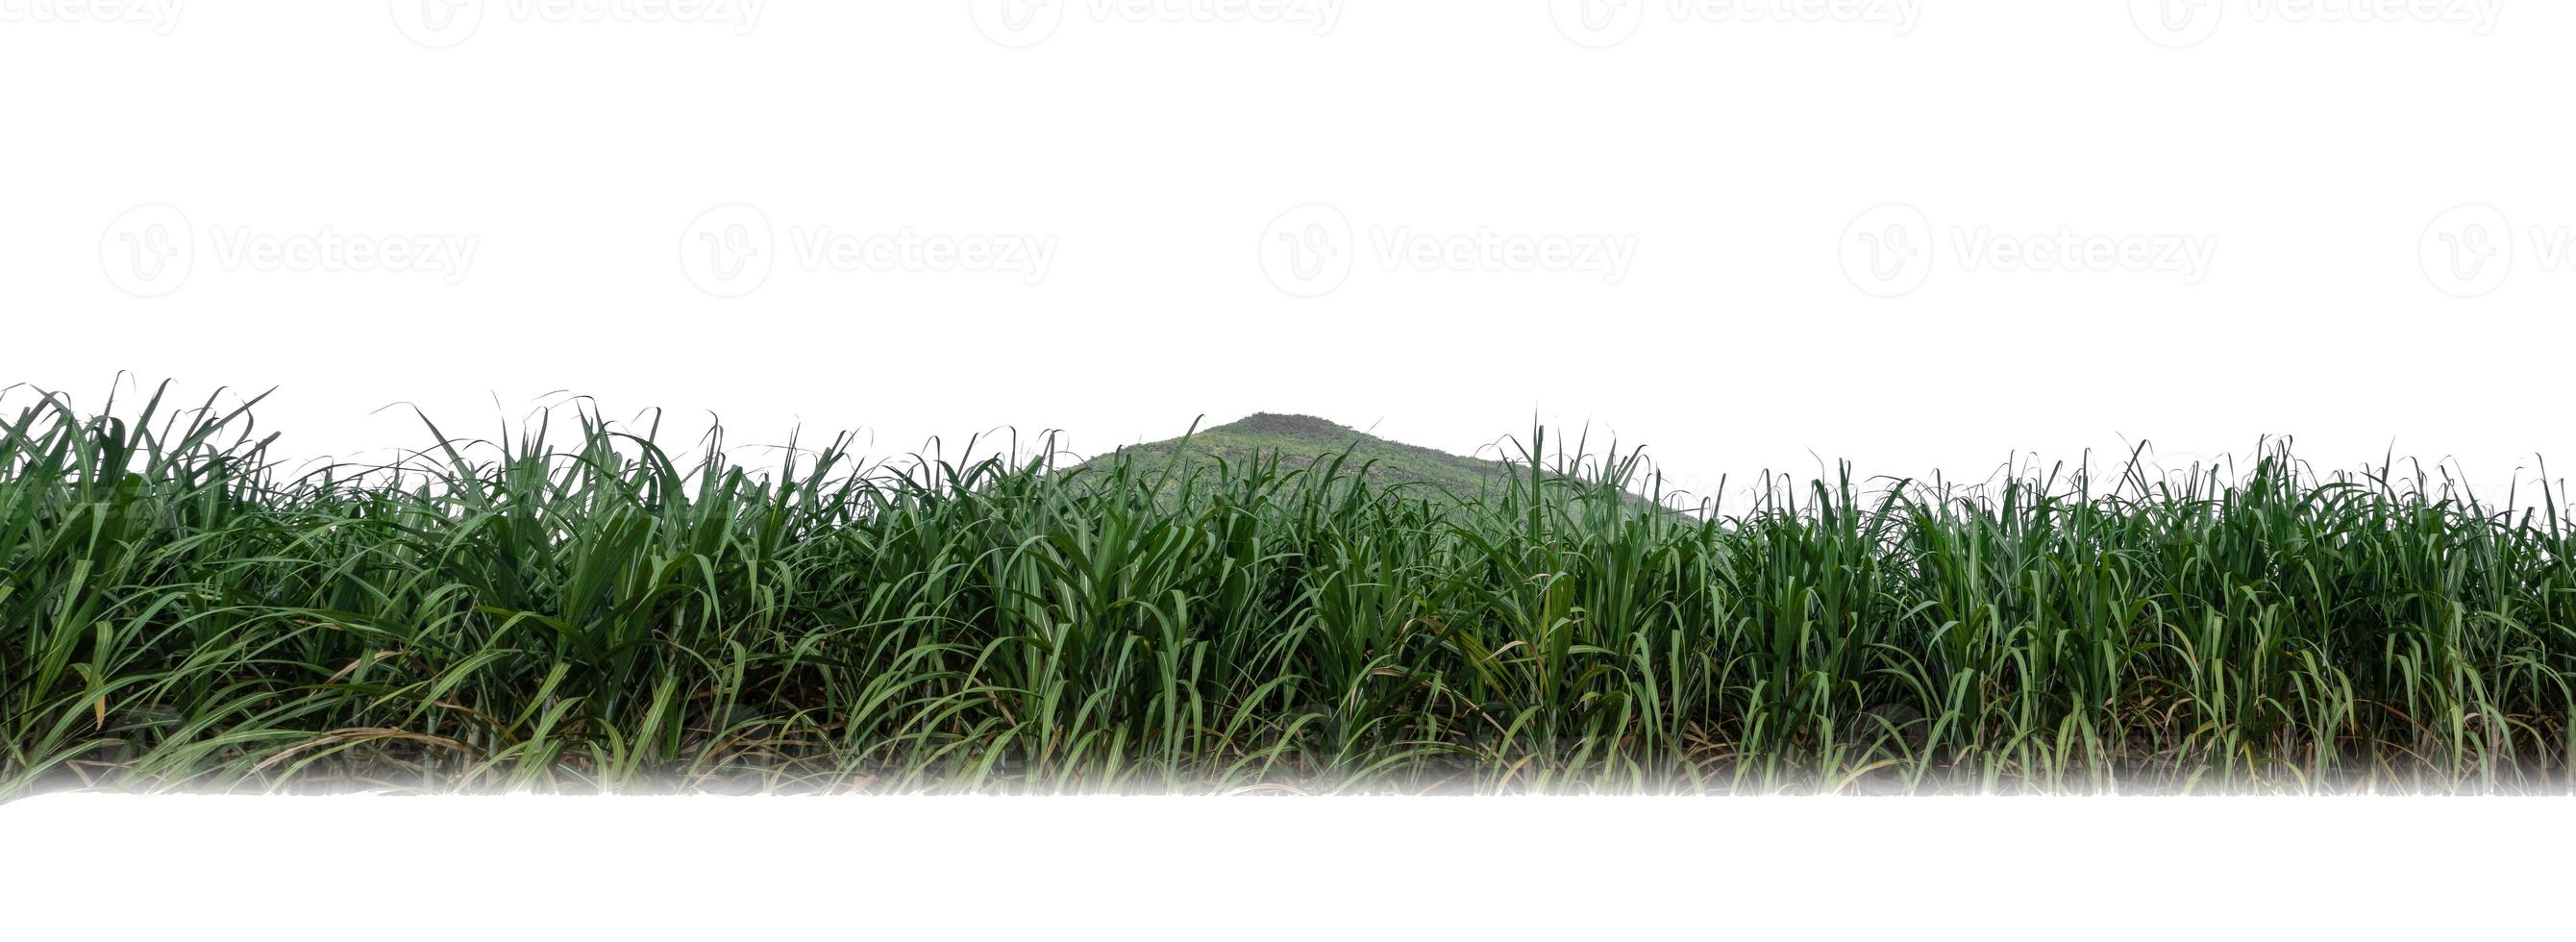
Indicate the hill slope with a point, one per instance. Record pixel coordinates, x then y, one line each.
1301 440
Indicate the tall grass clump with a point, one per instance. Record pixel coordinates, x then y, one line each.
576 608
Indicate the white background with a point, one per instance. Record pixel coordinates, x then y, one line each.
112 867
1735 146
2320 148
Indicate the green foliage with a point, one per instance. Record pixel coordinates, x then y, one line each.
181 611
1301 441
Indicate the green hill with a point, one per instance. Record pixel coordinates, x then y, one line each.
1299 441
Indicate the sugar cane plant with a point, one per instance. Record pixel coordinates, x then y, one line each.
578 608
